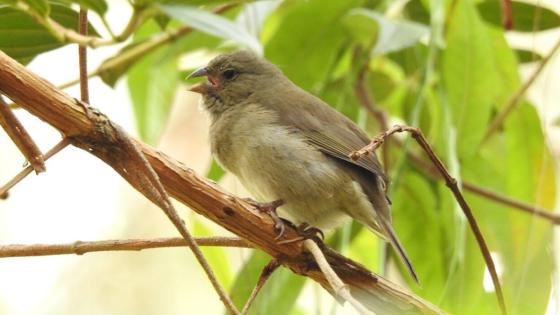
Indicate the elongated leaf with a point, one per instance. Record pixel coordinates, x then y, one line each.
533 182
279 294
306 51
526 17
152 82
213 24
40 6
23 39
390 35
478 70
216 256
98 6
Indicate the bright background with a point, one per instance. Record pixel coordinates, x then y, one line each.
80 198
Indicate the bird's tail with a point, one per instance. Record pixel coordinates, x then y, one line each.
392 238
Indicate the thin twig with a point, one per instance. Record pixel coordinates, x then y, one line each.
27 170
21 137
514 101
339 288
82 57
452 184
265 274
80 247
525 207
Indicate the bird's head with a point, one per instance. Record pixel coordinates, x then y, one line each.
233 78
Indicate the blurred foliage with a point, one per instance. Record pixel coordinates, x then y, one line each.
442 65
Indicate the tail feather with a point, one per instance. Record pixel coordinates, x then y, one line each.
392 238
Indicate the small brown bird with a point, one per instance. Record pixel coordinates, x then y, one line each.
285 144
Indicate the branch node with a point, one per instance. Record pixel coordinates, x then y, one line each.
76 248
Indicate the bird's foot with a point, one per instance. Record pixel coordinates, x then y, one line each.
270 209
305 231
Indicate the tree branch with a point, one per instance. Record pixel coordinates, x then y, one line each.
80 248
234 214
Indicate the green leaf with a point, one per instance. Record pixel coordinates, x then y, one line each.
527 55
213 24
417 12
40 6
479 72
531 181
279 294
162 20
152 83
520 166
22 38
526 17
216 256
305 38
390 35
215 172
98 6
197 2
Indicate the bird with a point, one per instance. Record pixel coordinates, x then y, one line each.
290 149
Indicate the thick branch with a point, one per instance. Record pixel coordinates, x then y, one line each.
61 111
80 247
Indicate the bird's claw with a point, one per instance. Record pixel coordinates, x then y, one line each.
305 231
270 209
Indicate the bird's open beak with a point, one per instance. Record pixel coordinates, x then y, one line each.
201 88
200 72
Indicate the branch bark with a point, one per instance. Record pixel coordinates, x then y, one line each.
80 247
61 111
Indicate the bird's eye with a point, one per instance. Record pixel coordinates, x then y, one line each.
230 74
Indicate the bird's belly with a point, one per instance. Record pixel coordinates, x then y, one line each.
286 167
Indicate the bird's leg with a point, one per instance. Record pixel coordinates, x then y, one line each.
270 209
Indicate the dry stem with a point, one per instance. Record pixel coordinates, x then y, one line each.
21 138
80 247
27 170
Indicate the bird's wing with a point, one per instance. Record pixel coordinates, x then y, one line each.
340 143
327 129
